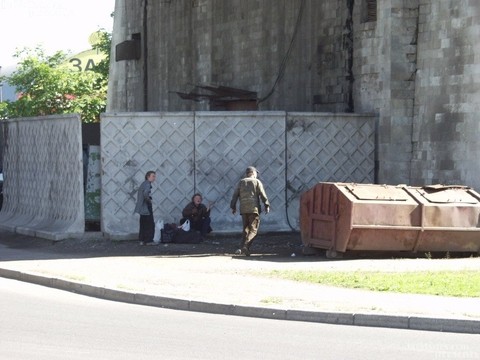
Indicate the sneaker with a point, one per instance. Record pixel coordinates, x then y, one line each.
142 243
242 251
150 243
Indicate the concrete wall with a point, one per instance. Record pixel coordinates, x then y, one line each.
208 152
415 65
126 79
43 177
191 152
289 52
384 70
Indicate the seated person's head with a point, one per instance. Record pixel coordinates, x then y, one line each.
197 199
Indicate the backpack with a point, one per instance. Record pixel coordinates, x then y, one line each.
168 233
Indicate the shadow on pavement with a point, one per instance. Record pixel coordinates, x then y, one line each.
273 247
15 247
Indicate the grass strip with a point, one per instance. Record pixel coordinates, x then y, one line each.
444 283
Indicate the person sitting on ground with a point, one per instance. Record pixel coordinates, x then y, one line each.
198 214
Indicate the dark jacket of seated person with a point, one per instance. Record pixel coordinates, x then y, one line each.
198 214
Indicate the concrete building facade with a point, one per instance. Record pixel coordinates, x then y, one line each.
414 63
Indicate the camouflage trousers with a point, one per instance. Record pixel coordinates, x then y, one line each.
251 222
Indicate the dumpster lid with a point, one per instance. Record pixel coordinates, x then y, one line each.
386 192
448 194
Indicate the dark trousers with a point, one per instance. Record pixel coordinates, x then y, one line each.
147 227
251 222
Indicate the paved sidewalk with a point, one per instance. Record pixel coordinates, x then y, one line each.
242 286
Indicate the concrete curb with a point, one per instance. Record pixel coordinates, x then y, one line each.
338 318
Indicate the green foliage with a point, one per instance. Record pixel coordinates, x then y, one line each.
3 110
46 86
103 45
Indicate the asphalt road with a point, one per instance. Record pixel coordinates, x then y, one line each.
42 323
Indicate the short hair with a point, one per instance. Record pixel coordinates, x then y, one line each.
197 194
147 175
250 170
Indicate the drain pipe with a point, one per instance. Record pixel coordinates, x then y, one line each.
348 47
145 56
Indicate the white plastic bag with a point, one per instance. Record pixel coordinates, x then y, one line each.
158 231
185 226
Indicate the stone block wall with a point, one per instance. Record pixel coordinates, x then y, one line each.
417 67
447 102
385 69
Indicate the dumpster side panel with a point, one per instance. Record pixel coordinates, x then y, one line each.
382 239
452 215
387 224
344 219
318 216
306 228
376 213
455 241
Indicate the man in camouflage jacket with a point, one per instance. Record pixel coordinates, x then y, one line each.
250 191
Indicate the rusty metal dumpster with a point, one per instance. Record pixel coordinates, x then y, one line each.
344 216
